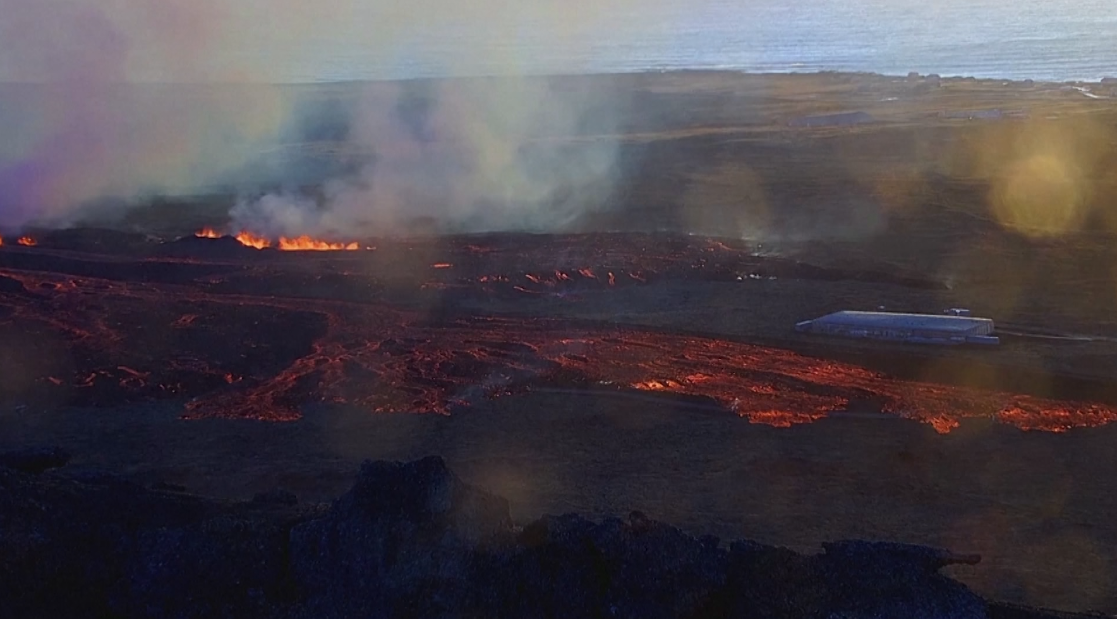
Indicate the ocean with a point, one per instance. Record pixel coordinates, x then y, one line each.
1051 40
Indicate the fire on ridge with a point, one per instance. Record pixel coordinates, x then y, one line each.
301 243
26 241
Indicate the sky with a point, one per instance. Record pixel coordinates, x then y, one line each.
327 40
291 40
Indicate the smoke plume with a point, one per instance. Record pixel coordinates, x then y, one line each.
463 154
110 102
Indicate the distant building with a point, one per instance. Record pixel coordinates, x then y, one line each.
842 119
951 328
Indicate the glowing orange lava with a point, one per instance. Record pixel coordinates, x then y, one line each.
250 351
305 243
27 241
301 243
1 241
251 240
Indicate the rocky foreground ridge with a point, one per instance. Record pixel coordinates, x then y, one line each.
412 540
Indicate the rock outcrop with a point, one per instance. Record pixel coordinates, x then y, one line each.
412 540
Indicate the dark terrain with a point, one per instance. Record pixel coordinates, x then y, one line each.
412 540
651 367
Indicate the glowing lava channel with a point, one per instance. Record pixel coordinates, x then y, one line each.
305 243
384 358
301 243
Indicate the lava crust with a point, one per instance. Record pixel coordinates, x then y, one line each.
239 332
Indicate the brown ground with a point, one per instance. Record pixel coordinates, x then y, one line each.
1015 214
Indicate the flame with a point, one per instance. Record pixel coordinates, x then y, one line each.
27 241
251 240
441 265
302 243
305 243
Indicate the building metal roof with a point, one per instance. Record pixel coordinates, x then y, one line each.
891 320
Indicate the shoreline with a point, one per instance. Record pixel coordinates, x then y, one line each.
648 71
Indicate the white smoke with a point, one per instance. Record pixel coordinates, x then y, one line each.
486 154
478 154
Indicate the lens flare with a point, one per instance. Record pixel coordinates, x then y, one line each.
1041 196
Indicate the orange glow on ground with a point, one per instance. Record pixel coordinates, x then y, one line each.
463 364
251 240
251 352
306 243
27 241
301 243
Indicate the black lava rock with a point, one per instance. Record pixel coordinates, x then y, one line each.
412 540
403 541
11 285
278 496
35 461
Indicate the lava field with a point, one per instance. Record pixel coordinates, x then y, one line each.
248 328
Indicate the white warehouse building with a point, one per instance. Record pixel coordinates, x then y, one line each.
951 328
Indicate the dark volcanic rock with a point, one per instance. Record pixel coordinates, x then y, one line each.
412 540
35 461
568 566
885 580
278 496
192 246
11 285
404 540
168 487
225 566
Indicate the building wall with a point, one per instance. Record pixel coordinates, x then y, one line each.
892 334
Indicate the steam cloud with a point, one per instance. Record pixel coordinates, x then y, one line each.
84 134
464 154
473 155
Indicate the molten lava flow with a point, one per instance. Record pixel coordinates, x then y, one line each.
245 346
207 233
442 265
251 240
305 243
27 241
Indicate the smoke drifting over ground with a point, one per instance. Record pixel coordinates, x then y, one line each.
462 155
471 155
